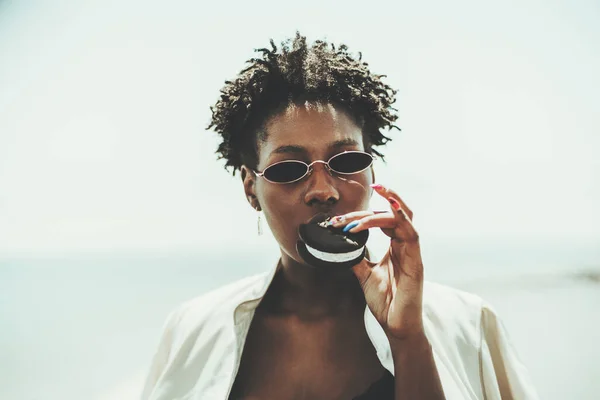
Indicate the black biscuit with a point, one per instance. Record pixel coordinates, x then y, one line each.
331 240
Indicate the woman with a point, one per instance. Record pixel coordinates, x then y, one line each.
301 124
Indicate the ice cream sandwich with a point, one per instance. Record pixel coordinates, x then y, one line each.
324 246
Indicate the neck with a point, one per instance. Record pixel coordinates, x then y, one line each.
311 293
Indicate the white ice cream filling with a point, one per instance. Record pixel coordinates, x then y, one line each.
334 257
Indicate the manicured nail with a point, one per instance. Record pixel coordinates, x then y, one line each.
336 220
395 205
376 186
350 226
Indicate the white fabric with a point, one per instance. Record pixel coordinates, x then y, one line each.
200 350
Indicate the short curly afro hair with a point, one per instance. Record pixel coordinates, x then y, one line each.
299 73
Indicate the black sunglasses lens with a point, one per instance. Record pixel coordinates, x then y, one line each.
350 163
287 171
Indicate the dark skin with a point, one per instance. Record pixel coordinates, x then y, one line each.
307 339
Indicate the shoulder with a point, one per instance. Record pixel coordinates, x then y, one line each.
453 313
452 321
438 298
218 302
208 315
198 333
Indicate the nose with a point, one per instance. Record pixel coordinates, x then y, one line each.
321 190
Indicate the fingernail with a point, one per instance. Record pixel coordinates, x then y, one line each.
376 186
350 226
394 203
336 220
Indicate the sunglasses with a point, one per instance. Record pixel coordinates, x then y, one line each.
289 171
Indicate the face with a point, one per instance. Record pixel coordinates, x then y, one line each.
307 134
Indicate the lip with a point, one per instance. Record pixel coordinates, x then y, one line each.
320 216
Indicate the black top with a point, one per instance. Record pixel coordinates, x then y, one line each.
383 389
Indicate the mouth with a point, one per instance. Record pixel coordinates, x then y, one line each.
320 217
321 245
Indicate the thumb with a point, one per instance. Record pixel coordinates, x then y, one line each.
363 271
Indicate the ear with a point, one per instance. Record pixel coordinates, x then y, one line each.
249 182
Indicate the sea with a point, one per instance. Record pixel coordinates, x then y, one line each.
86 325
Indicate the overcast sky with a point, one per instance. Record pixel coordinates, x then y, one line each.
104 104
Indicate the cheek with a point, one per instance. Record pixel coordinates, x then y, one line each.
355 194
280 207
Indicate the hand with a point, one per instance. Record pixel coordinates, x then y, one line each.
393 287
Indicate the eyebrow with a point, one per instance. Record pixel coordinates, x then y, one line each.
289 148
294 149
344 142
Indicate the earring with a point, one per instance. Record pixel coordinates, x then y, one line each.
258 223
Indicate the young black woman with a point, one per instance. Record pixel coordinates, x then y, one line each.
288 122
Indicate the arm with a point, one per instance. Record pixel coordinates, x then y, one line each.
393 290
416 376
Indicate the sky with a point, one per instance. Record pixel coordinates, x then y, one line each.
104 105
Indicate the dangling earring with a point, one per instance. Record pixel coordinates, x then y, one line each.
258 223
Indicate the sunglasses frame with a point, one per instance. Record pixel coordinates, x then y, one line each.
309 167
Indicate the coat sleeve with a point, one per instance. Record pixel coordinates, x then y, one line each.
161 356
503 375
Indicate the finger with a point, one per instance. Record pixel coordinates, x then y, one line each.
387 193
363 271
405 230
345 219
384 220
397 226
